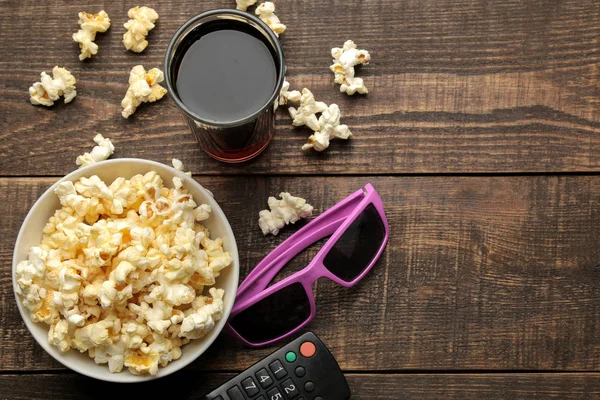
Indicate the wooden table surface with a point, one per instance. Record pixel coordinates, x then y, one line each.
481 133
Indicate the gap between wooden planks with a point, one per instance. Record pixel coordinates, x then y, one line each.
191 385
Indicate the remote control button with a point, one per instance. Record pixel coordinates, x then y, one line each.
290 356
221 398
235 393
277 369
309 386
250 387
300 372
275 394
318 398
290 389
260 398
308 349
264 378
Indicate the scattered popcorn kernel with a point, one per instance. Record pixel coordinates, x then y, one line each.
101 152
266 12
90 25
48 90
283 212
306 113
121 271
329 128
141 22
326 127
143 88
286 95
244 4
344 61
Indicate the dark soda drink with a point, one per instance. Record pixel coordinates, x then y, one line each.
226 75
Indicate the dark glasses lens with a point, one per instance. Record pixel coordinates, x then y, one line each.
357 246
273 316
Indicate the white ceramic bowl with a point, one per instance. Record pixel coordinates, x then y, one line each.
31 235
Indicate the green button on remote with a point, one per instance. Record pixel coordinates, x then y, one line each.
290 356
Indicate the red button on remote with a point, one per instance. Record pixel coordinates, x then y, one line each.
308 349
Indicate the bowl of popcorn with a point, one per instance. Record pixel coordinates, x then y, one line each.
125 270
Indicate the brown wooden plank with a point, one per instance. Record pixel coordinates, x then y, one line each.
456 86
190 385
494 273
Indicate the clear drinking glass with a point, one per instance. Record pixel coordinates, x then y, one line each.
235 140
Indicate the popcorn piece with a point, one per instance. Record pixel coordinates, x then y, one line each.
91 292
306 113
101 152
47 311
344 60
244 4
141 363
330 128
202 212
48 90
113 354
167 350
94 186
199 323
217 258
29 274
142 237
177 164
121 271
141 22
111 297
173 295
287 95
69 279
76 319
177 183
69 198
266 12
90 25
94 335
123 195
283 212
326 127
143 88
133 334
58 335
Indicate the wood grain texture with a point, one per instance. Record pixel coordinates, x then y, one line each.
492 273
190 385
456 86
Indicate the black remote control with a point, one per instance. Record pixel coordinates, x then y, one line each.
301 370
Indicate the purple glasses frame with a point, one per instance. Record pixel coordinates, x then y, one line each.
334 222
